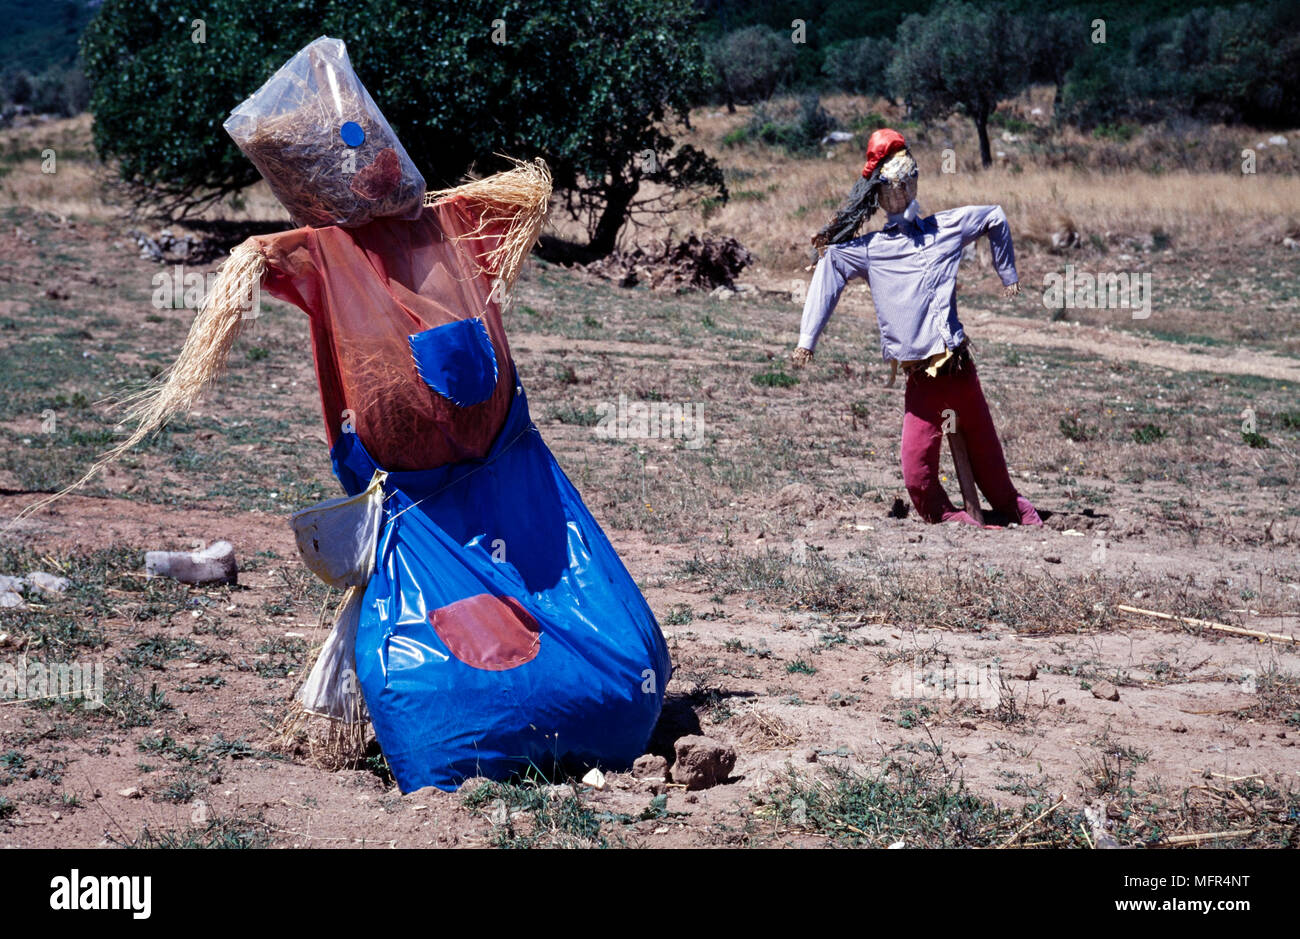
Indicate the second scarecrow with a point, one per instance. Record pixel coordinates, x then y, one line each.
911 265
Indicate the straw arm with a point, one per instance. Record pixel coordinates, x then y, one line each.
520 199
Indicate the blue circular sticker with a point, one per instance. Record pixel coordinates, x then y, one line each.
352 134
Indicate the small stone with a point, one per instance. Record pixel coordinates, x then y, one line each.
1023 671
650 766
1105 691
133 792
595 779
702 762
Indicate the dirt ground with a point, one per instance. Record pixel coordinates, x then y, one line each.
828 640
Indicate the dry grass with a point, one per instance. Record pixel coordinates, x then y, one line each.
74 190
83 188
1113 190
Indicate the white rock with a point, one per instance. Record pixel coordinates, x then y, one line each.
214 564
50 583
595 779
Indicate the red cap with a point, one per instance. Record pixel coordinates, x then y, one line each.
883 144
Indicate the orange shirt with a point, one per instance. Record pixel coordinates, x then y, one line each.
368 289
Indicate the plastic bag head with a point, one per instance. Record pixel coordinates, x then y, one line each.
323 146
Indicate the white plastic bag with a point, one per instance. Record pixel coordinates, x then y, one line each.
337 541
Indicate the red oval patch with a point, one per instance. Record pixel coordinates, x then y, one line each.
487 632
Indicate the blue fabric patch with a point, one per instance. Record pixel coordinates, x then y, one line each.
457 361
352 133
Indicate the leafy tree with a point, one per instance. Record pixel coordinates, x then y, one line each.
16 86
960 57
159 98
859 66
751 63
590 86
63 92
1053 41
1231 64
828 23
1227 64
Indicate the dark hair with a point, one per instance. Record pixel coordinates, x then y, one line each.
857 209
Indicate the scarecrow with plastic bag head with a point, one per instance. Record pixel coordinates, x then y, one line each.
911 266
487 625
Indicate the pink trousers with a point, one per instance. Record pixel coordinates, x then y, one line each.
955 396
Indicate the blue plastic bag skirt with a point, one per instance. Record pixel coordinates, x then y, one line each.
499 629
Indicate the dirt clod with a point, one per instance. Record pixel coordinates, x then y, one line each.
1105 691
650 766
1023 671
702 762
